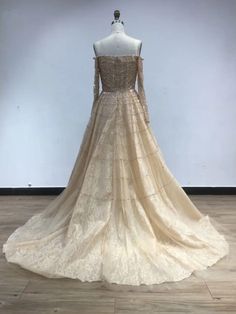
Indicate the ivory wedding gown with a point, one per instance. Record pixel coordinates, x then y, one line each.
123 216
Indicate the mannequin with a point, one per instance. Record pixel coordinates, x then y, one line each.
117 43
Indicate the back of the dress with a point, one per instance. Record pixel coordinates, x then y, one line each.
123 217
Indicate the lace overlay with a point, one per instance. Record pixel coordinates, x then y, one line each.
141 91
96 82
123 216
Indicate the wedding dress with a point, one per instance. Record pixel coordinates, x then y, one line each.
123 217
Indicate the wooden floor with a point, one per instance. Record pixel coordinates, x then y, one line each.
209 291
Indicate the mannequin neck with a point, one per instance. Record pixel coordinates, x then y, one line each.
117 27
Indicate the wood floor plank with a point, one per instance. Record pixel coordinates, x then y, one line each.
87 305
154 306
185 289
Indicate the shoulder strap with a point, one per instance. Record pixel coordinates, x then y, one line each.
141 92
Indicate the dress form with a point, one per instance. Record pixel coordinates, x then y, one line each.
118 43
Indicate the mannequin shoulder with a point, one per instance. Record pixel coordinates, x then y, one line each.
135 40
106 44
136 43
99 44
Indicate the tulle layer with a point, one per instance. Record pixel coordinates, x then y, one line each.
123 216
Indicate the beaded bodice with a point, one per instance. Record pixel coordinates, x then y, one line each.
118 74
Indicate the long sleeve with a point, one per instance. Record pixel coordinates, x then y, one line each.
96 82
141 92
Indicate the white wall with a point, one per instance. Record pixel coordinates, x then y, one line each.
46 82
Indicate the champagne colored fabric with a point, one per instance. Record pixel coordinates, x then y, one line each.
123 217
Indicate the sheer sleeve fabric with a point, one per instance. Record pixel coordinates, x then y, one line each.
96 86
141 92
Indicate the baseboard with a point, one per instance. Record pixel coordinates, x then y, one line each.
57 190
206 190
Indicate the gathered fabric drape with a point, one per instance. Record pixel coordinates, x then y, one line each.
123 216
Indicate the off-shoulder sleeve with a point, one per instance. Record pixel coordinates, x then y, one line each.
141 92
96 82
